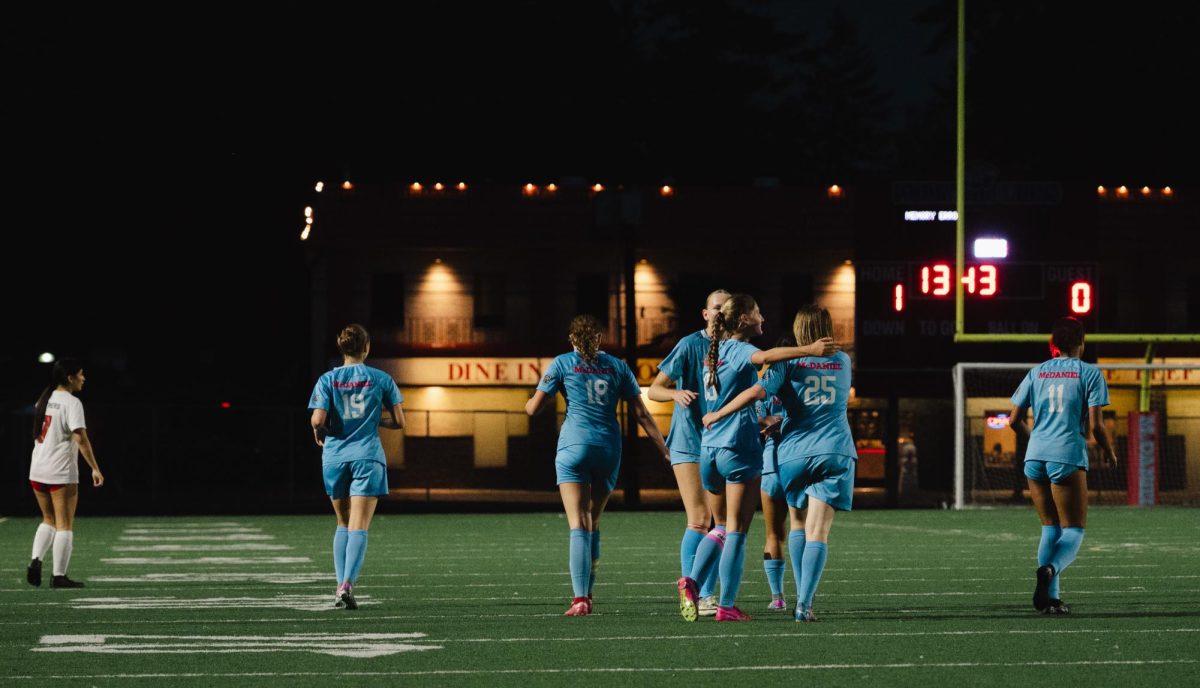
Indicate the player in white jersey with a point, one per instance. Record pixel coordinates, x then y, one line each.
59 436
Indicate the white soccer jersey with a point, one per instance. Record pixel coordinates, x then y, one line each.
55 453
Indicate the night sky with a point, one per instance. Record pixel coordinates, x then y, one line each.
197 142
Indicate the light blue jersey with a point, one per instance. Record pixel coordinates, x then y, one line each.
814 391
354 397
685 365
592 391
1060 391
737 431
769 406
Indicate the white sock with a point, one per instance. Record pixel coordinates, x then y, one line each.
63 543
42 540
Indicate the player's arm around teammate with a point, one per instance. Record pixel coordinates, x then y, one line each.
731 464
680 380
816 455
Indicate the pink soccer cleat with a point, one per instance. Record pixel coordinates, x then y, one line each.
579 607
689 594
731 614
777 605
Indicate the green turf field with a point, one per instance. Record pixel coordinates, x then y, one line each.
928 598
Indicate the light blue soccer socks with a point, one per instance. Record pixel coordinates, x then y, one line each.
708 586
811 568
1066 549
339 552
733 560
708 556
356 551
595 560
687 550
774 570
1050 535
796 554
580 561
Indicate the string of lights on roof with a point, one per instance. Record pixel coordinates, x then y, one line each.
1123 193
529 190
833 192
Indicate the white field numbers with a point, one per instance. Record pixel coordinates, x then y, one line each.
1056 397
819 390
597 391
353 405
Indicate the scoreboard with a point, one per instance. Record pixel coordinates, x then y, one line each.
904 310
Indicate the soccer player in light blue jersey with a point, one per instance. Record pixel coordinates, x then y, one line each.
589 443
347 406
816 455
680 379
731 464
1067 397
774 503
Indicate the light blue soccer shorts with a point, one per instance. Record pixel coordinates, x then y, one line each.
1050 471
827 477
361 478
774 489
720 465
588 463
678 457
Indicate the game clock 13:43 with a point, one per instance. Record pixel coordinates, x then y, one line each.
904 311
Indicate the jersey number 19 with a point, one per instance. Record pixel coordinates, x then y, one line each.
353 406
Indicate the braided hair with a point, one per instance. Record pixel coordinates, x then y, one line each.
585 333
727 323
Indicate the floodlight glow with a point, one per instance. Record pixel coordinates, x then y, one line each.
46 358
991 248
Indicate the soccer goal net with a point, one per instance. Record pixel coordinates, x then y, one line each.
1158 451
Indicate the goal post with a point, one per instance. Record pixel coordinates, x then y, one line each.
1157 445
